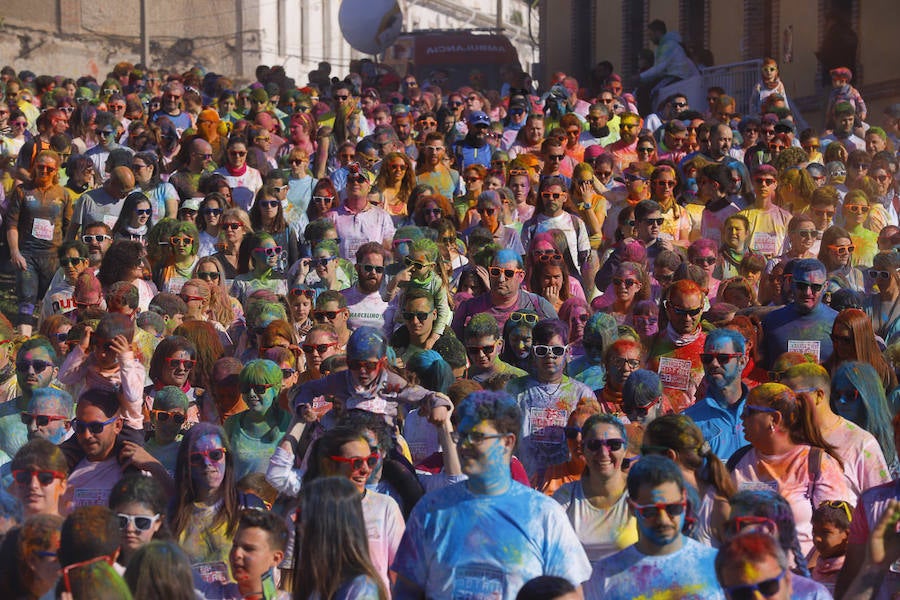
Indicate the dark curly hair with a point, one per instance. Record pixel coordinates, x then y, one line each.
122 256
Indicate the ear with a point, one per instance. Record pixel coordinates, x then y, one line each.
119 424
671 454
55 372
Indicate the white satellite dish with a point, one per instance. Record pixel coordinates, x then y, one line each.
370 26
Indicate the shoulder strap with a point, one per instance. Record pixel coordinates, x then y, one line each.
737 456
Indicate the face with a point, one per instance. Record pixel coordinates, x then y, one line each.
358 477
534 131
722 373
685 311
44 169
550 366
367 370
578 318
37 498
486 456
207 474
855 212
171 101
722 141
520 186
765 185
882 179
735 235
434 152
662 529
259 397
482 351
553 198
828 539
96 446
628 129
705 258
416 325
822 216
251 555
177 369
267 254
664 187
133 537
506 286
34 369
604 462
626 284
839 254
753 573
314 341
237 155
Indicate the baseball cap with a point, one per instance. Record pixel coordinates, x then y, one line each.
479 118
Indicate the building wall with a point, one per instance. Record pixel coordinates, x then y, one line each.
728 30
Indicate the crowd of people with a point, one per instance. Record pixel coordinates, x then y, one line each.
377 337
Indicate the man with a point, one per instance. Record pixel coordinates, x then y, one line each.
673 148
432 170
550 214
474 148
546 398
102 204
452 549
671 63
599 131
864 462
720 139
187 180
803 325
402 125
49 415
733 248
357 221
718 413
506 276
845 118
663 562
418 316
107 129
753 565
97 424
713 182
331 308
171 107
648 219
675 353
35 368
674 105
51 122
483 344
624 150
364 300
97 237
530 137
768 222
171 307
556 163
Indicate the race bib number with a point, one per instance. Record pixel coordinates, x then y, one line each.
91 497
759 486
764 243
811 347
214 572
42 229
547 425
478 583
675 373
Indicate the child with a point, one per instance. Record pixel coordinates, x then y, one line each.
751 268
422 271
105 360
842 91
830 530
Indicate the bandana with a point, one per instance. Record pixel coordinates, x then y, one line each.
686 339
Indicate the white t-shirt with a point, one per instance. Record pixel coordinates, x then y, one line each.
91 482
384 528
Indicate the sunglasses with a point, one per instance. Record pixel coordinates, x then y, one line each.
188 298
840 505
237 153
548 256
287 373
184 363
657 222
91 239
359 365
269 252
486 350
619 282
529 318
414 263
842 250
751 409
508 273
139 522
357 462
808 234
208 275
95 427
763 524
311 294
257 388
594 445
358 178
486 211
721 357
40 420
181 241
541 350
856 209
420 316
691 312
645 150
39 366
880 274
824 213
803 285
572 433
198 458
704 261
232 226
551 195
269 203
653 511
765 180
164 415
317 348
668 183
331 315
322 199
433 211
25 476
321 262
767 588
473 437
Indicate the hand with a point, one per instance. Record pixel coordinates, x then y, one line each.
665 243
404 276
306 414
136 456
19 260
884 544
85 343
551 293
303 269
432 339
120 345
438 415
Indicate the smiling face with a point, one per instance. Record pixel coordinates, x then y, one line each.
96 446
237 155
626 284
358 477
36 498
603 463
34 369
176 372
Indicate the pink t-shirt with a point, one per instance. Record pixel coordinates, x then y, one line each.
384 528
788 475
864 464
90 482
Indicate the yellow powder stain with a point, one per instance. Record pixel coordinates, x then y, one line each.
678 593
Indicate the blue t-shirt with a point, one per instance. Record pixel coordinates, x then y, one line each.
462 545
687 574
786 325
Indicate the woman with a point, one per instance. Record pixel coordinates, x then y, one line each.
857 396
258 150
243 179
620 360
836 253
802 238
256 432
37 218
208 341
597 504
855 210
160 571
575 312
331 560
787 450
221 305
556 476
795 189
630 285
162 195
207 301
209 219
206 510
396 180
301 189
301 300
523 193
665 185
73 261
82 127
465 205
429 209
226 107
854 340
328 272
883 306
259 266
586 200
171 364
453 249
125 261
679 438
235 225
135 220
139 504
184 243
647 150
550 279
267 215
